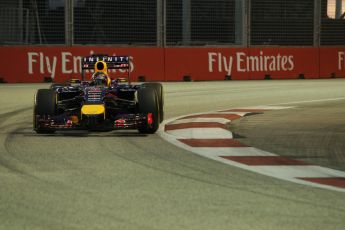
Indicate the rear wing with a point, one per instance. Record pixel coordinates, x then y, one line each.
113 62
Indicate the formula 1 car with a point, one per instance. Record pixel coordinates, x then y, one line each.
100 104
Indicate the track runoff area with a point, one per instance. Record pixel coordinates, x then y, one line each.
275 143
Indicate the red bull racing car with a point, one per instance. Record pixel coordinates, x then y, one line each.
101 103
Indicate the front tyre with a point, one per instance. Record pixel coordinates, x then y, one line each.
44 105
160 94
148 105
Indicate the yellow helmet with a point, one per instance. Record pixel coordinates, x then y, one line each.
101 66
101 74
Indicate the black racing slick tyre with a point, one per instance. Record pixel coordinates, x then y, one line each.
45 105
160 93
148 104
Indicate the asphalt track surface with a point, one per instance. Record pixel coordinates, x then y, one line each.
122 180
314 133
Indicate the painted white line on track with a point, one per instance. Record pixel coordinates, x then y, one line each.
200 133
267 107
225 151
182 121
310 101
299 171
241 114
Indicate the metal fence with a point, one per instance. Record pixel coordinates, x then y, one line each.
282 22
32 22
173 22
115 22
204 22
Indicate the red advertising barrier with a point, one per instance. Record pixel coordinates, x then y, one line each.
285 63
202 64
241 63
332 62
33 64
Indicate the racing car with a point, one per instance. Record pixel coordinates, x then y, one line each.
101 103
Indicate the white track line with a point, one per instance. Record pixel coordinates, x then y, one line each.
200 133
310 101
267 107
226 151
190 120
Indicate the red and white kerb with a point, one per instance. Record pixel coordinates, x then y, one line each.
206 135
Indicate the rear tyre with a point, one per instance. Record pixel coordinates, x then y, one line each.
148 104
45 105
160 93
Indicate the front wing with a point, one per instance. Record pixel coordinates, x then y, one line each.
123 121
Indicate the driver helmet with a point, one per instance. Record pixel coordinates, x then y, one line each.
100 79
